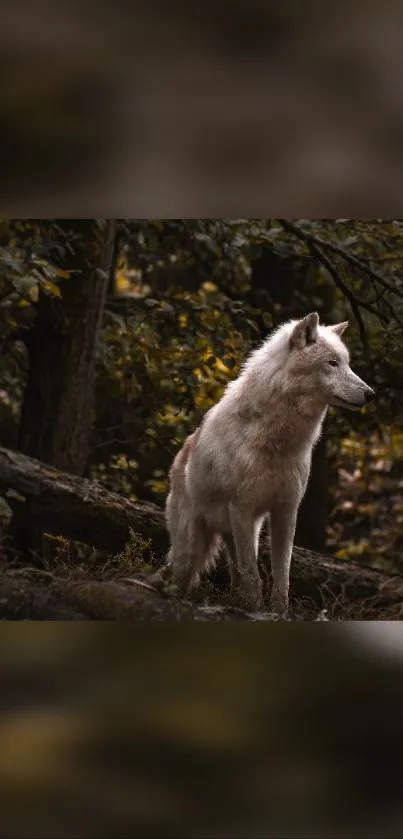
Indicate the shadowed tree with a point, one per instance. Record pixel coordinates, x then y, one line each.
57 408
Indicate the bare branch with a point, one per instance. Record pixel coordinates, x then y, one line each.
354 303
340 251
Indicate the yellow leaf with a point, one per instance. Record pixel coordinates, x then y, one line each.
158 486
53 288
220 366
65 275
122 282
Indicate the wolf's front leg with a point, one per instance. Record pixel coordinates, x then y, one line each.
283 523
241 546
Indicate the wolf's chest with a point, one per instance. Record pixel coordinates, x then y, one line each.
269 479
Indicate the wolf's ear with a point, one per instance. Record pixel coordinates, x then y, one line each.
339 328
305 331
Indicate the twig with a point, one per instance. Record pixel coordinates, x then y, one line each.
134 582
354 303
353 260
309 237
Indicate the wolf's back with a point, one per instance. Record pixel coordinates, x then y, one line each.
177 471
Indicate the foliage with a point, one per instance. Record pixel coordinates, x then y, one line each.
367 514
78 561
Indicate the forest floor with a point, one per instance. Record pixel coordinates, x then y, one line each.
72 581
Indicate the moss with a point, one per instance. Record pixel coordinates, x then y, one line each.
103 603
120 602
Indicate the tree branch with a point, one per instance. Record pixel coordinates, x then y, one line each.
307 237
354 303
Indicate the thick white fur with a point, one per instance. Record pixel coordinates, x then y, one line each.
251 456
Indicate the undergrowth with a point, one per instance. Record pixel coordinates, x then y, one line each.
73 562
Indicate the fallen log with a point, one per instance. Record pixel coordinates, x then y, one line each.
33 594
81 510
84 511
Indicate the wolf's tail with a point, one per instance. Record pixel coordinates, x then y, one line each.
194 545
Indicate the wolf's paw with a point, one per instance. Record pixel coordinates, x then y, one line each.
249 597
279 606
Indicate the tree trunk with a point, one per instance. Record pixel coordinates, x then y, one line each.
58 401
57 408
314 510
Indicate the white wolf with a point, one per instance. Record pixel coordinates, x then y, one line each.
251 457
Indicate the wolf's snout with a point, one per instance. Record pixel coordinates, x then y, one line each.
369 394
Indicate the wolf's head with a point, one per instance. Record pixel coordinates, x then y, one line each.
318 364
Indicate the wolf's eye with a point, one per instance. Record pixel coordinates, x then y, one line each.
333 362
